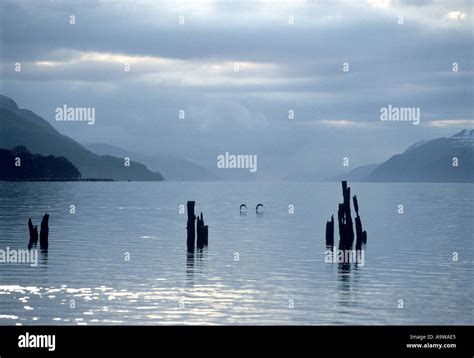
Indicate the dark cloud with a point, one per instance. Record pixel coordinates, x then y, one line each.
189 67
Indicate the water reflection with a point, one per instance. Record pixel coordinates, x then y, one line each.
344 277
347 277
195 264
190 268
201 256
43 257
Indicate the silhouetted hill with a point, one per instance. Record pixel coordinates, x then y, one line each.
431 161
34 166
23 127
172 168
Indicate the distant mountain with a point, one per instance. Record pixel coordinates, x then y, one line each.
415 145
423 161
357 174
25 128
431 161
172 168
34 166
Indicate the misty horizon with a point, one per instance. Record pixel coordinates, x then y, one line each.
299 85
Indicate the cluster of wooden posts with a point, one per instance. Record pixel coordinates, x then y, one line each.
43 236
192 229
344 217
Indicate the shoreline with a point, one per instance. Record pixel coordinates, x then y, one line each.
54 180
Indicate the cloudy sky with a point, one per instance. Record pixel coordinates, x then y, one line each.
184 55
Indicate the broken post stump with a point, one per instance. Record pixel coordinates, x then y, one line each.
33 230
344 218
44 233
200 229
191 231
205 233
359 235
358 224
202 232
340 221
347 240
330 232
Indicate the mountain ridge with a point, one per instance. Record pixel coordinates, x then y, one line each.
22 127
425 161
172 168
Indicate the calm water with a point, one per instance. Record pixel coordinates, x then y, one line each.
86 279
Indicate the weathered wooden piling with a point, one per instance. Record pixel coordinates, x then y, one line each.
330 232
359 235
358 225
33 230
191 231
202 232
344 218
44 233
340 221
206 235
346 241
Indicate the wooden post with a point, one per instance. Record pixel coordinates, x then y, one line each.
205 233
199 231
191 231
202 232
33 234
341 223
330 232
358 225
344 218
348 229
44 233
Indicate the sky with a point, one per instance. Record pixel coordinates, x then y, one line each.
237 68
